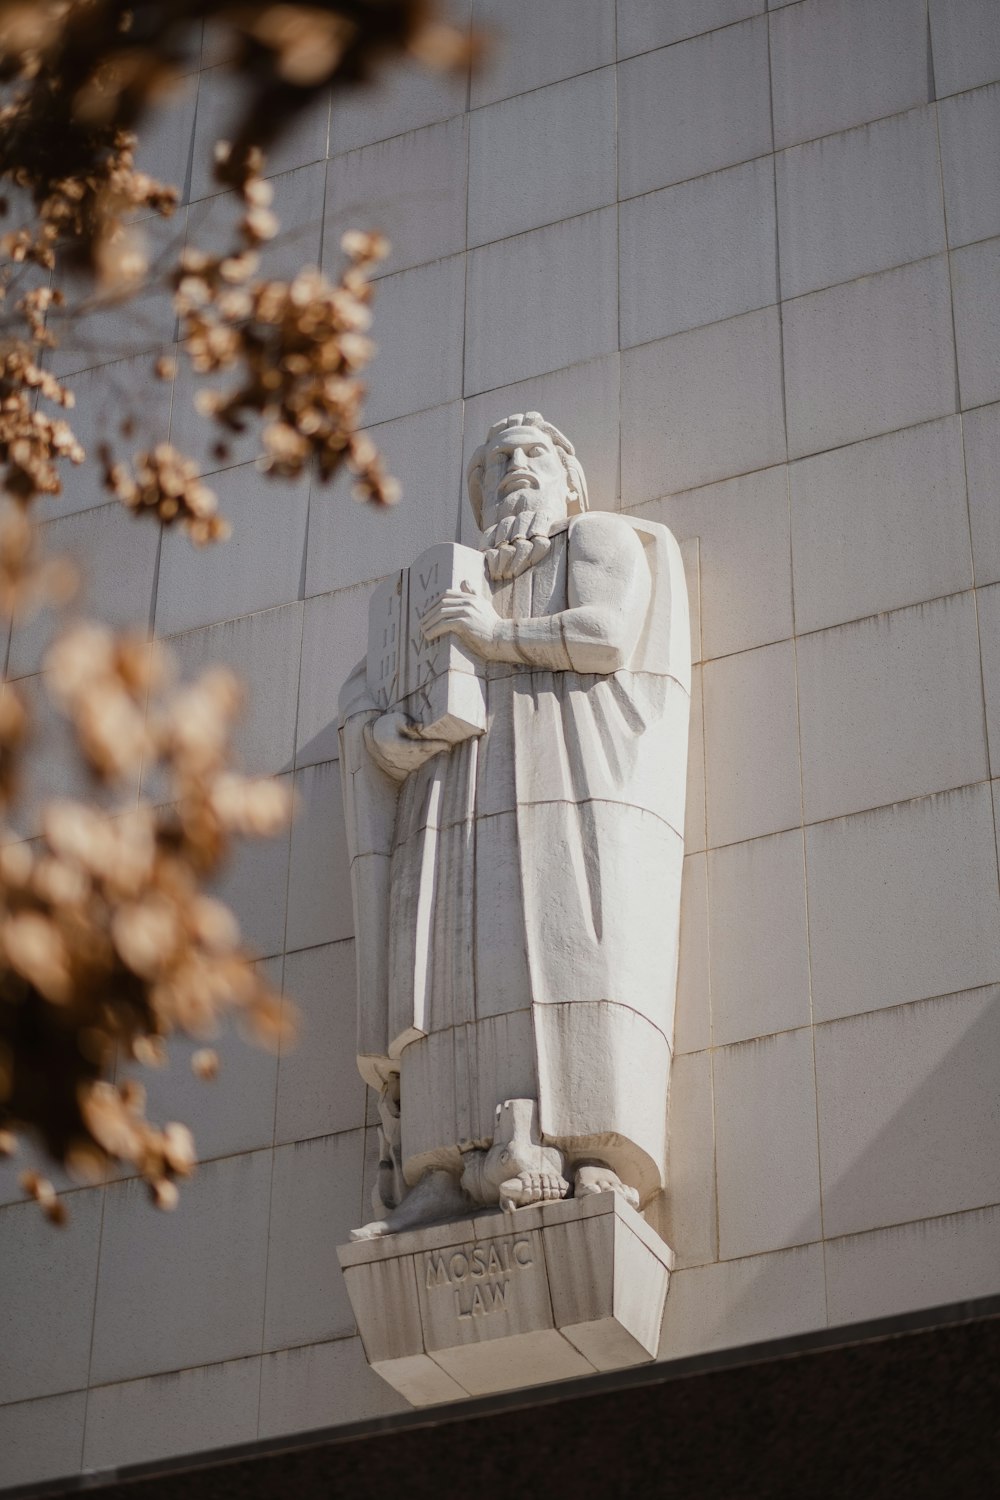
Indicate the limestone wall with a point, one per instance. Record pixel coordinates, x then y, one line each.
748 260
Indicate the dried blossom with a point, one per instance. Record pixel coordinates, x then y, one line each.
108 942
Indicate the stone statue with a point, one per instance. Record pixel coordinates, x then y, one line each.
516 847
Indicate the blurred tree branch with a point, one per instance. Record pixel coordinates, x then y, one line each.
108 940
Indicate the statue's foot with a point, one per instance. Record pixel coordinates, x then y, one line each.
435 1197
595 1177
532 1187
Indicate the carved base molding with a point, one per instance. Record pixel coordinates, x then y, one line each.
504 1300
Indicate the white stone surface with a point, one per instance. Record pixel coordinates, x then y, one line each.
969 126
766 1149
691 1210
721 386
334 635
736 1302
315 1200
894 1146
982 459
562 137
751 750
221 98
539 301
258 648
319 1089
838 63
918 1265
137 1421
531 45
319 893
881 524
757 938
858 202
413 369
208 1257
974 270
373 188
46 1328
697 252
890 707
319 1385
508 1300
41 1439
645 24
880 932
868 357
116 560
693 1020
693 108
254 884
695 831
965 35
988 605
350 542
741 530
408 96
260 566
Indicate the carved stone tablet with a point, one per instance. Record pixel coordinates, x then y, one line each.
438 683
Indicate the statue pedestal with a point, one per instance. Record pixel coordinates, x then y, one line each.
501 1301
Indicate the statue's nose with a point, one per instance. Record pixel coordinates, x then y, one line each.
518 459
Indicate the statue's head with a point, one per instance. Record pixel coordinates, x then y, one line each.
525 465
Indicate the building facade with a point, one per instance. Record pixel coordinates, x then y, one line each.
747 257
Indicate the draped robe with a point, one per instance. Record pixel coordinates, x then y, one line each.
517 898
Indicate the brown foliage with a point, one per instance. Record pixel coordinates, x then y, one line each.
109 942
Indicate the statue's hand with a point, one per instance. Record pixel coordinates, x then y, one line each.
396 744
471 617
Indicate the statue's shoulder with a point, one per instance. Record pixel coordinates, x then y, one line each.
600 531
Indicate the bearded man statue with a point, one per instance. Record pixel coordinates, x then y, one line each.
517 891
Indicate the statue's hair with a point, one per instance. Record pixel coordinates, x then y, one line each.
575 480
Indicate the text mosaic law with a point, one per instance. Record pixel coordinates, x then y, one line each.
480 1275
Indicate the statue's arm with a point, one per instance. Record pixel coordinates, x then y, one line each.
608 592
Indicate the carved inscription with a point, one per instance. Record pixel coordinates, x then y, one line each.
479 1276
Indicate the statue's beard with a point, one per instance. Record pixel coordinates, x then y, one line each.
515 544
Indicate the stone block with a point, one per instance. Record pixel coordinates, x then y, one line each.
757 938
736 1302
419 318
691 1208
319 890
115 554
913 1266
908 1124
868 357
409 95
903 903
858 202
222 96
209 1257
321 1385
851 507
412 188
503 1301
645 24
45 1329
693 1016
259 567
566 132
319 1087
965 35
41 1439
693 108
697 252
751 744
970 163
531 45
702 406
187 1411
540 301
890 708
838 63
989 635
766 1151
982 464
352 543
974 273
255 885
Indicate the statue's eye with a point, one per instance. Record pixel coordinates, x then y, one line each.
535 452
505 1156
